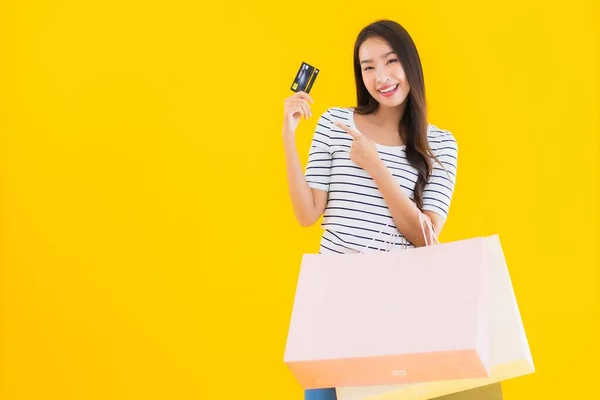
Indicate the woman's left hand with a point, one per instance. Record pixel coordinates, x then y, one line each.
364 151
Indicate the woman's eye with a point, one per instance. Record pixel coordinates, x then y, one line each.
393 60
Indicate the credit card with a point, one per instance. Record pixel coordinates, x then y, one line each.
305 78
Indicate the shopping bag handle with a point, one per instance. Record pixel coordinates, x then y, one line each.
433 237
389 242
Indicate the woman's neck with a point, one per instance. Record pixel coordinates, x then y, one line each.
388 117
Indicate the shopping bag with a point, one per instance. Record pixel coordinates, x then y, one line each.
509 348
414 315
488 392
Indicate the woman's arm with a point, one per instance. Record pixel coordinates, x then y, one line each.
308 203
308 190
406 215
404 212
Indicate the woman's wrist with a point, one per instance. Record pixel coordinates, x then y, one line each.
289 136
289 141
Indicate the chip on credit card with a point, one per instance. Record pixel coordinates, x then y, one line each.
305 78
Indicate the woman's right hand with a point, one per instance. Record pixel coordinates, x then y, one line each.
296 106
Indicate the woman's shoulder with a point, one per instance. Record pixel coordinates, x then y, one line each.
338 113
330 116
440 139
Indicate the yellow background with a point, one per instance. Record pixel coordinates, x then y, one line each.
148 246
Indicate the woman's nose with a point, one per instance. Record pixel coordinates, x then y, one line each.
382 79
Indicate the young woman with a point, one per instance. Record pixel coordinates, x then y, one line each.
375 171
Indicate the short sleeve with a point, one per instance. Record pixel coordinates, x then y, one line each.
439 190
318 167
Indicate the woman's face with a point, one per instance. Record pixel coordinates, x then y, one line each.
382 73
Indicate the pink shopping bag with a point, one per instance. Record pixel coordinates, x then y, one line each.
395 317
510 356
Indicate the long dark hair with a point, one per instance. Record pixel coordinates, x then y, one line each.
413 125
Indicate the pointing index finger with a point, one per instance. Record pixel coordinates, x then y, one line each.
346 128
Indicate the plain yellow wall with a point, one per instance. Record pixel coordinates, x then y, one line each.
149 250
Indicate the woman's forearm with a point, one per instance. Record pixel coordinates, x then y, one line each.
404 212
300 193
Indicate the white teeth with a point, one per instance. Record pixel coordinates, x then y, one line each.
389 90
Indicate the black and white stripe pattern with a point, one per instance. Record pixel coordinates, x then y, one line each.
356 217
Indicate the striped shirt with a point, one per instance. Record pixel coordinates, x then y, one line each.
356 217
